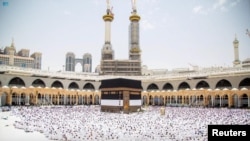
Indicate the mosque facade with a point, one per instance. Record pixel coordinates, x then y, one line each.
208 87
220 87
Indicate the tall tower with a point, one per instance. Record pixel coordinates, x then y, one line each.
107 51
87 63
134 46
236 52
70 61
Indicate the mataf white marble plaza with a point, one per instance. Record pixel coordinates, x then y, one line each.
88 123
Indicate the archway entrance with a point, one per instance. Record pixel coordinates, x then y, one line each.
3 99
235 101
244 101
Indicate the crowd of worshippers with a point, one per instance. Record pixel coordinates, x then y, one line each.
88 123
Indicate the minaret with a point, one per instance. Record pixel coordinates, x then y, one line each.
134 46
12 43
107 51
12 51
236 52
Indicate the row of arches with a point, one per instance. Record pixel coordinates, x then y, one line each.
18 82
221 84
58 96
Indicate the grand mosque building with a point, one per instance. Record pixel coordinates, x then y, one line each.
209 87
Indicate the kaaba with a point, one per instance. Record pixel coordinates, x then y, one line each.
120 95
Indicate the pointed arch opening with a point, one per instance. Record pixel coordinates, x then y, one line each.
73 85
202 84
57 84
183 86
152 87
222 84
16 81
168 87
38 83
89 86
245 83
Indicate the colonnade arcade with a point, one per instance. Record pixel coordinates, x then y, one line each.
203 97
58 96
47 96
224 94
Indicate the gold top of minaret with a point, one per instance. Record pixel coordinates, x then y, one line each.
109 16
134 16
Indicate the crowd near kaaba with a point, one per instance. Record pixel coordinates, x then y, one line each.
88 123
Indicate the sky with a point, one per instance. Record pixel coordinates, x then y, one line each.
173 33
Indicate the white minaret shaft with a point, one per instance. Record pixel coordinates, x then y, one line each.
108 19
134 35
107 25
134 38
107 51
236 52
107 31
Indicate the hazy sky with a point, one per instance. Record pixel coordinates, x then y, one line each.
173 33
